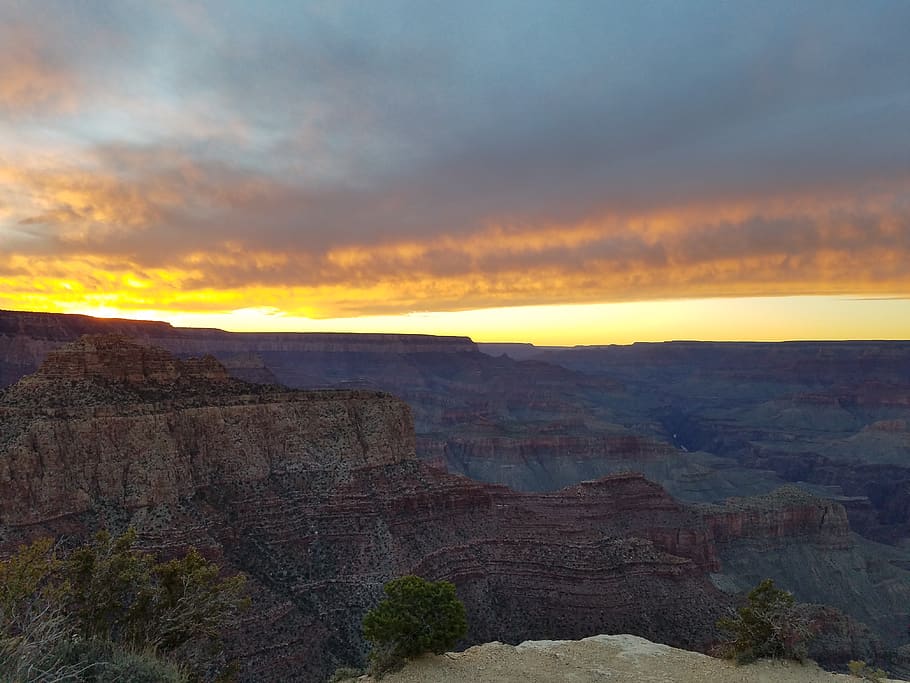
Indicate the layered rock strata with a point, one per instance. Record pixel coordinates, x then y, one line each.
788 514
319 497
26 338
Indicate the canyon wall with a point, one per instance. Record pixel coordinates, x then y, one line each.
706 421
26 338
529 425
319 498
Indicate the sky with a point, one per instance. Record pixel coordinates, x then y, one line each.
560 172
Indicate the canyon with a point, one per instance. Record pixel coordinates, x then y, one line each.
705 420
612 489
533 426
319 498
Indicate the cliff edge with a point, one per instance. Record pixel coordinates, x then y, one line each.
619 659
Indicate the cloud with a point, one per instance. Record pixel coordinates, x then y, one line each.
31 79
349 158
810 244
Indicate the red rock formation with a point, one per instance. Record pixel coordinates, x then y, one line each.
787 513
118 358
27 338
320 498
890 426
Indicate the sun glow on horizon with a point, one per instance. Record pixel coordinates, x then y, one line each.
728 319
464 176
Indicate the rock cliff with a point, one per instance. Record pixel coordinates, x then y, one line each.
529 425
706 421
108 420
787 514
319 497
26 338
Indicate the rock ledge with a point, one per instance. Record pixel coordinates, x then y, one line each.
617 659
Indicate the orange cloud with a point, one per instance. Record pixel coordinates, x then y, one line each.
133 229
32 79
393 281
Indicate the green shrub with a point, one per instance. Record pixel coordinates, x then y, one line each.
33 625
107 612
417 616
49 651
346 673
27 584
101 661
767 626
859 669
120 594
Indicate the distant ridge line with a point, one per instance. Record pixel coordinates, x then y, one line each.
20 321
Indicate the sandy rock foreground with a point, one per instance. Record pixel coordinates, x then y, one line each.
613 659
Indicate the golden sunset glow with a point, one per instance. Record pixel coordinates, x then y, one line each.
417 194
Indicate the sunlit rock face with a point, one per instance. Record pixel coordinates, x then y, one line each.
117 358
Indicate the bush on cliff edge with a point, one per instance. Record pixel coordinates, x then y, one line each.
105 611
767 626
417 616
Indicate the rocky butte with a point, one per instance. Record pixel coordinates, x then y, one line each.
529 425
319 497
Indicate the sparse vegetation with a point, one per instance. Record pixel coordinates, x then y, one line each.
768 626
859 669
101 661
346 673
106 612
417 616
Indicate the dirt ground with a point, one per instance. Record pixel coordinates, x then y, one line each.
599 659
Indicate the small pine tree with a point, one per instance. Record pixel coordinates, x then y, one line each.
417 616
767 626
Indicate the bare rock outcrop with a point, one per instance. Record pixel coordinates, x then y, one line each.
787 514
616 658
